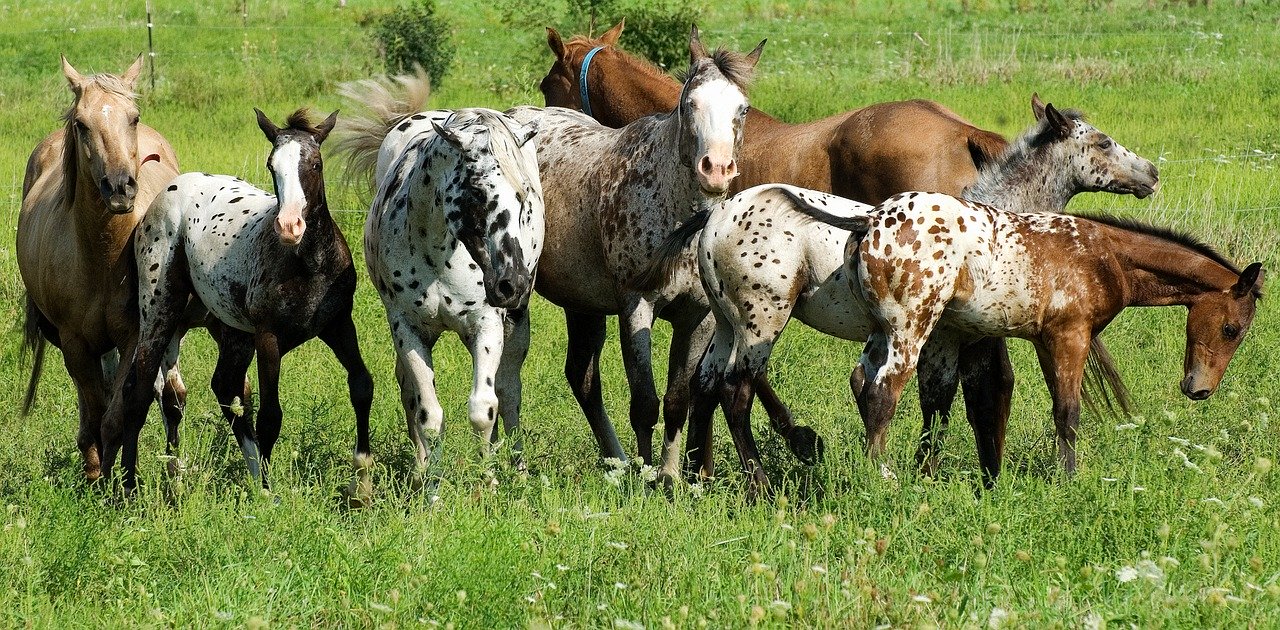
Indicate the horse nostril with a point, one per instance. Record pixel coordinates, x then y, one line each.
505 288
1200 394
704 166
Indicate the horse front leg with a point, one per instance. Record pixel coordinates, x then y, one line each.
171 392
514 352
635 326
485 341
938 377
1062 356
416 376
85 368
586 332
802 441
235 353
270 415
340 336
986 376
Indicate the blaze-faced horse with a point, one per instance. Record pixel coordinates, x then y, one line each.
452 240
612 195
1056 280
273 271
86 187
765 262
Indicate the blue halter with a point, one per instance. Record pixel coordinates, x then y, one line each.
582 80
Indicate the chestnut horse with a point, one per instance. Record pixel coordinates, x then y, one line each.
1056 280
86 187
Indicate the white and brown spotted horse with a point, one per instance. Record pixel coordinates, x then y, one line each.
452 240
273 270
764 263
612 196
1056 280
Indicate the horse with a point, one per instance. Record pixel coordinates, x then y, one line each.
272 270
85 188
611 196
764 262
1057 280
866 155
451 242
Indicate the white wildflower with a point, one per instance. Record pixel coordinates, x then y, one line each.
627 624
1178 440
648 473
616 545
1150 572
923 599
1094 621
1255 501
998 618
615 463
1213 500
1126 574
620 585
1127 426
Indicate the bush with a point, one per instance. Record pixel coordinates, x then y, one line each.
657 30
414 35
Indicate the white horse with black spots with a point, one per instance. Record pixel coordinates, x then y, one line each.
451 242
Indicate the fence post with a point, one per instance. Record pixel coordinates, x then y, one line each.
151 51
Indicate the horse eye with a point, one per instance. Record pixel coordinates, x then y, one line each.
316 165
134 122
1230 332
1105 144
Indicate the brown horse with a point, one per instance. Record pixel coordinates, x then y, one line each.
86 187
867 154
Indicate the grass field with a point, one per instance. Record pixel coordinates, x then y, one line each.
1173 519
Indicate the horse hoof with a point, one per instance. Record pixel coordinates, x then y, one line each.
806 444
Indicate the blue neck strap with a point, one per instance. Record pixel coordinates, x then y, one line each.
582 80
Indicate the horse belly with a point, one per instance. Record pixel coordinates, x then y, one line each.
223 248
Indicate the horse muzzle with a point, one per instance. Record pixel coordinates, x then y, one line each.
118 193
510 291
1195 389
290 229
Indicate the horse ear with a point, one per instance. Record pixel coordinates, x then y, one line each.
753 57
525 133
1059 123
323 129
1037 106
1250 281
74 78
696 49
555 43
268 128
130 76
610 37
450 135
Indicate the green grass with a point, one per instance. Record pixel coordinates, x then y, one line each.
1196 89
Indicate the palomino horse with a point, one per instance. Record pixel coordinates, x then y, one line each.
273 271
451 242
764 262
866 155
1056 280
86 187
612 196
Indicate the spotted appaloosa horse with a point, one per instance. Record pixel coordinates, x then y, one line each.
1056 280
86 187
764 262
612 196
273 271
451 242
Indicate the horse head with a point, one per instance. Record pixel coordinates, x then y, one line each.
296 170
494 200
1098 162
102 134
1216 324
712 110
562 86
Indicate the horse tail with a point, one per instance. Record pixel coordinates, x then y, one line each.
1103 390
662 265
985 147
33 342
382 103
856 224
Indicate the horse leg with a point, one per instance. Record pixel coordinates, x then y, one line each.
682 362
1062 357
582 369
270 415
171 392
486 343
514 351
85 368
887 363
416 377
986 376
735 398
937 380
704 391
803 441
235 352
340 336
635 325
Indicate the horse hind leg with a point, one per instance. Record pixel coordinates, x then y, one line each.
986 376
688 334
171 393
340 336
937 380
586 334
704 392
85 368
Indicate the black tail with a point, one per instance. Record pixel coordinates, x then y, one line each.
663 263
856 224
33 342
1103 390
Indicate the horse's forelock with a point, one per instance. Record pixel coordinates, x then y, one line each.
731 64
300 120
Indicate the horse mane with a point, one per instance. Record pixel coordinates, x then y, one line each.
732 64
1017 152
108 83
642 65
300 120
1163 233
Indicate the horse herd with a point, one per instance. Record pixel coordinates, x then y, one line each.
475 209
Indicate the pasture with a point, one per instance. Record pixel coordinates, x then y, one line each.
1171 519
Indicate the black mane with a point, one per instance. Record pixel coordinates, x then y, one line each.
1174 236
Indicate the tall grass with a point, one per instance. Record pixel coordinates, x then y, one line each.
1171 520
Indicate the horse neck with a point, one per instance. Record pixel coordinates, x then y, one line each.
1161 272
626 90
1024 180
